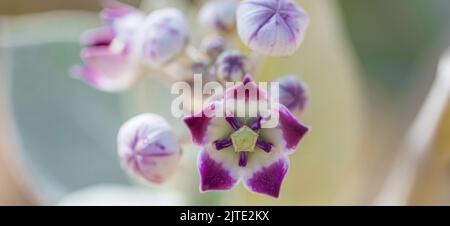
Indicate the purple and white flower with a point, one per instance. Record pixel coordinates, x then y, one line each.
293 93
162 37
271 27
242 148
148 148
108 65
218 15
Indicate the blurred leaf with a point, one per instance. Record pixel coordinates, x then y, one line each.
67 129
391 36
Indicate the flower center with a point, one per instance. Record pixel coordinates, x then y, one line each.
244 139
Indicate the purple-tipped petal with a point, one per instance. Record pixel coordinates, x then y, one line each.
86 74
198 124
215 175
292 130
198 127
268 180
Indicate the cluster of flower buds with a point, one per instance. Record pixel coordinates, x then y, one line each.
134 44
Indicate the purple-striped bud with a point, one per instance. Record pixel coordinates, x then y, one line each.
213 46
218 15
162 37
271 27
148 148
231 66
293 94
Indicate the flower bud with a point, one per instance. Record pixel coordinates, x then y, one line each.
231 66
293 93
162 37
271 27
148 148
218 15
213 46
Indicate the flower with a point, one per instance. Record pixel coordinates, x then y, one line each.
236 148
108 66
293 93
108 63
148 148
218 15
271 27
162 37
231 66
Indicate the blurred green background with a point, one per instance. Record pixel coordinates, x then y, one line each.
369 65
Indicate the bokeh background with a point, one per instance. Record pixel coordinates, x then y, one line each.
370 66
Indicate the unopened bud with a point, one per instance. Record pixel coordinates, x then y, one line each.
271 27
148 148
293 93
162 37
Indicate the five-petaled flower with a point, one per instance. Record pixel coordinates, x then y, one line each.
236 148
